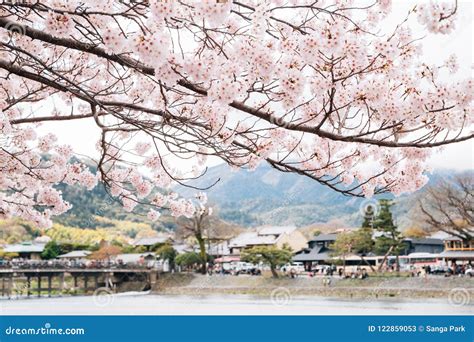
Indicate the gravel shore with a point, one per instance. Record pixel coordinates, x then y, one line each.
372 287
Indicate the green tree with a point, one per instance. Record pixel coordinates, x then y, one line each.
343 246
51 250
272 256
167 253
391 240
188 259
363 244
358 242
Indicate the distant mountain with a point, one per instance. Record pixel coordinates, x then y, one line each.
244 198
88 207
268 196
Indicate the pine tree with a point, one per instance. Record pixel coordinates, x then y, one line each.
51 250
391 240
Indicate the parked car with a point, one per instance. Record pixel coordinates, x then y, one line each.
440 270
249 271
324 270
469 272
296 267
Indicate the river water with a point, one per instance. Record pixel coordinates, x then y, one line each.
151 304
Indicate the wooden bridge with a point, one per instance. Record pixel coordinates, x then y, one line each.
83 279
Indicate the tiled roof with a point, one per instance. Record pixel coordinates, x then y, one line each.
26 247
75 254
150 241
426 241
263 236
318 253
182 248
251 239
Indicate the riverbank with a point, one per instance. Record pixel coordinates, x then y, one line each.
372 287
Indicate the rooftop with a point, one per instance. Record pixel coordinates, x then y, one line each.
25 247
75 254
150 241
182 248
251 239
317 253
425 241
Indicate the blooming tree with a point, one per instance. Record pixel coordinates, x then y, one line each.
319 88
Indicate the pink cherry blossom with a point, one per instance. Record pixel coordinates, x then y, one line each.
325 89
153 215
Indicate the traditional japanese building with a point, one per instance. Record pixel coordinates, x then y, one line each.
26 250
456 249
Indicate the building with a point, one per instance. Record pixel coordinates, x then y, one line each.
422 245
317 252
182 248
219 250
456 249
268 236
26 250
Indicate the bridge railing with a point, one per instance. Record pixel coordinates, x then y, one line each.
32 265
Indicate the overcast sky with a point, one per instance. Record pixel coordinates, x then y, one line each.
83 135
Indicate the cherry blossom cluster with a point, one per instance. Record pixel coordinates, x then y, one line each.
437 16
320 88
27 179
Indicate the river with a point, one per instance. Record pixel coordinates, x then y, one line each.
152 304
